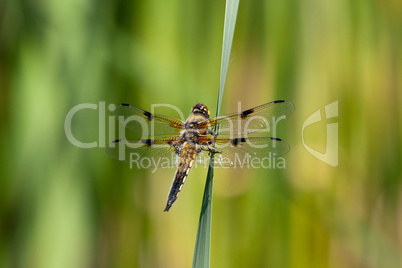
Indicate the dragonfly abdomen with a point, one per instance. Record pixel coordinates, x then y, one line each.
187 158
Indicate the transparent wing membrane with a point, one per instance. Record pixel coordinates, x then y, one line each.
146 123
144 152
263 117
242 151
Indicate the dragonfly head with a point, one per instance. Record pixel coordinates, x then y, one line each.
200 109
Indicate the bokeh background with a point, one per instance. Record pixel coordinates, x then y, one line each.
64 206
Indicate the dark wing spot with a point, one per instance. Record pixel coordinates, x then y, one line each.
149 115
116 141
246 113
125 104
276 139
279 101
148 142
236 141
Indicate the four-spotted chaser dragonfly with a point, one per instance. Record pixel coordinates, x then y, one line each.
194 140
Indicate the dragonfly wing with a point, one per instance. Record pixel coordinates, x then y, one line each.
147 124
238 152
145 153
265 116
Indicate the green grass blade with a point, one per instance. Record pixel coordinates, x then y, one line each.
203 242
228 31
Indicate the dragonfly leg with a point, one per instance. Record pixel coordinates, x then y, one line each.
212 149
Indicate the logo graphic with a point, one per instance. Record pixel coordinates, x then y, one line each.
330 156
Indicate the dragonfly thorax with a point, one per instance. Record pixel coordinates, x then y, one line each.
191 135
191 125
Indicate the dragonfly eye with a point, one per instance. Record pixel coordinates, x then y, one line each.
200 109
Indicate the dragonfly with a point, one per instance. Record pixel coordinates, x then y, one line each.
168 141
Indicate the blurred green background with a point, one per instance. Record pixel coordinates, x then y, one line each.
64 206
